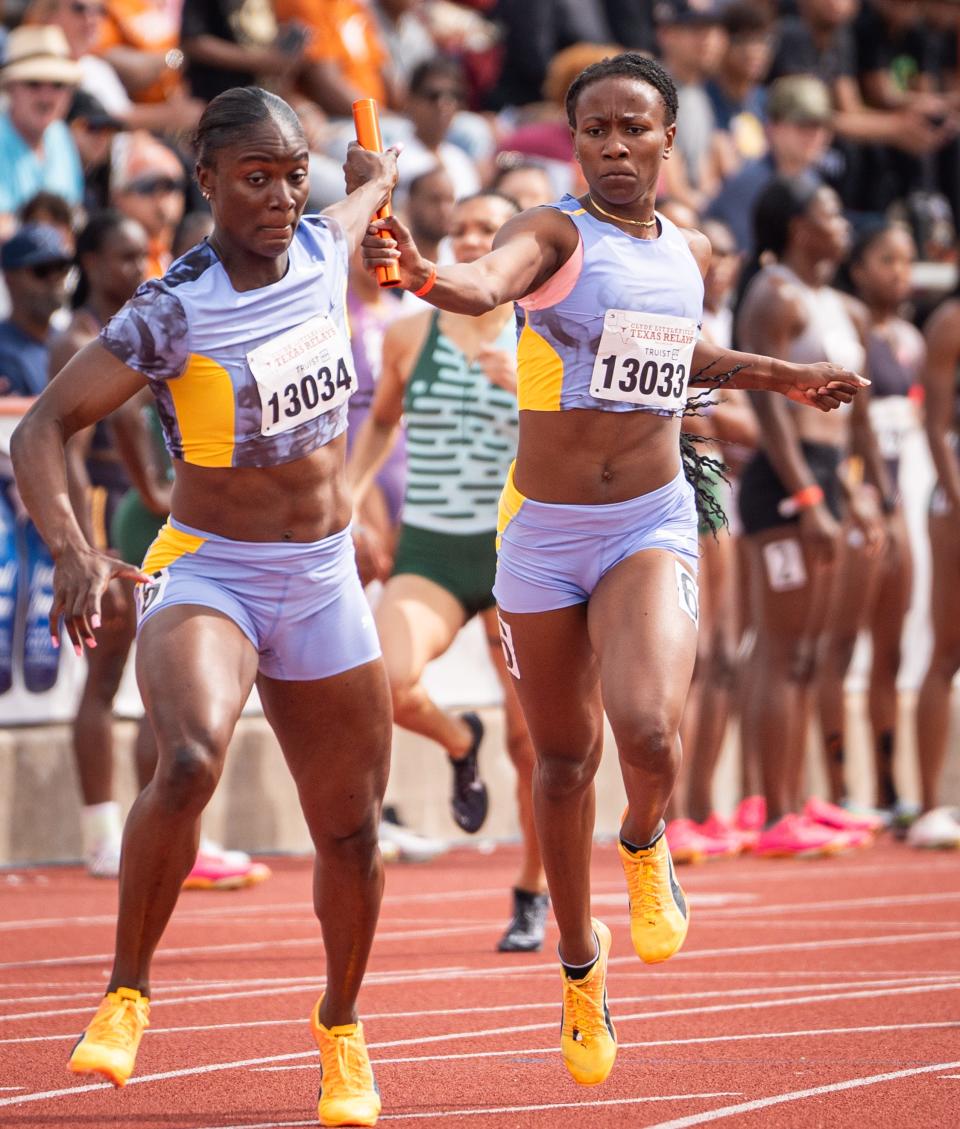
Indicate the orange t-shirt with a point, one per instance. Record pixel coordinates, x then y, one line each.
147 25
343 32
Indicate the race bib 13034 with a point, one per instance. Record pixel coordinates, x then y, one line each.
302 373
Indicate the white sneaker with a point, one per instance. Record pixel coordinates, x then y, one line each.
937 828
102 830
103 859
221 854
409 846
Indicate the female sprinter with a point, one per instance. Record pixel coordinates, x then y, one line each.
596 577
253 580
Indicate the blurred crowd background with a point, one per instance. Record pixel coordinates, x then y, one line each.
99 98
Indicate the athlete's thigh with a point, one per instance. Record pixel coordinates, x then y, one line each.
195 670
417 621
335 735
643 627
945 580
516 725
790 586
556 678
854 586
891 599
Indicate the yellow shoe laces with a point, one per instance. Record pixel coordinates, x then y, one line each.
644 882
346 1066
583 1012
119 1022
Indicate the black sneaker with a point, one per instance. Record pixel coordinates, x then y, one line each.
468 800
525 932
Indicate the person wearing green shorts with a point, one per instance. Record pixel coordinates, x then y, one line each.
452 379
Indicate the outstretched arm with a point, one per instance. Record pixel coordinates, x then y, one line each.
528 249
823 385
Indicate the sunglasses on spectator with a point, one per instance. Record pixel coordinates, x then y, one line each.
43 272
42 84
437 95
155 186
80 9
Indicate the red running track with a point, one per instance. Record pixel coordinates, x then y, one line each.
808 994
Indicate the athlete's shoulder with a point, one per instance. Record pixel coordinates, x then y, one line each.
699 245
190 266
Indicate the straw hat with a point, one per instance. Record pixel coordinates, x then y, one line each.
39 54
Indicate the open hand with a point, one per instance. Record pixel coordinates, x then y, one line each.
80 578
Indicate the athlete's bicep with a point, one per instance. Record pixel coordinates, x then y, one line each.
527 251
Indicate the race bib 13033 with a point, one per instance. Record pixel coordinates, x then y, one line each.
644 359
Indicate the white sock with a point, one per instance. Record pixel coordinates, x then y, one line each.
100 823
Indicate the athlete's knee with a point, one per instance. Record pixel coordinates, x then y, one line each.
945 660
403 695
722 667
648 741
560 777
351 839
187 774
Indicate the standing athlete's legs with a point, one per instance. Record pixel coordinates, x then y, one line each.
933 704
335 736
193 706
886 629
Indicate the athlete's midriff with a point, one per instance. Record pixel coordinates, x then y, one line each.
303 500
584 457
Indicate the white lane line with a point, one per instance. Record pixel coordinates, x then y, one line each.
185 914
840 903
494 1110
699 1039
486 1009
800 1095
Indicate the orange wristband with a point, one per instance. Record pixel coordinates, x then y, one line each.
429 284
804 499
808 497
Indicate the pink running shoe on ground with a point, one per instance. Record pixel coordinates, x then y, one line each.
734 841
218 871
795 836
751 814
686 845
832 815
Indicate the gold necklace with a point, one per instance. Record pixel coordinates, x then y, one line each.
622 219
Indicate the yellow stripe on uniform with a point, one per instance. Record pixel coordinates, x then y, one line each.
539 373
203 400
170 545
510 502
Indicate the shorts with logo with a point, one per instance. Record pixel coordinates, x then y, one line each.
300 604
553 556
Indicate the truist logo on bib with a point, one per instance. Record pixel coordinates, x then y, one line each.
644 359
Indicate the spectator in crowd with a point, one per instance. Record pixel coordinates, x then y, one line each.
148 184
736 93
534 32
51 209
345 54
689 33
82 22
527 182
798 136
238 43
35 264
36 149
437 92
93 129
819 40
429 207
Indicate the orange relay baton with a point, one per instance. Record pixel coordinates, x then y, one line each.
367 123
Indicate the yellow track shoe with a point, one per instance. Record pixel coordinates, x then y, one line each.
348 1092
109 1044
659 916
588 1041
